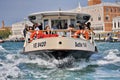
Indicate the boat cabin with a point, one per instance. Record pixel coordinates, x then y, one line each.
58 19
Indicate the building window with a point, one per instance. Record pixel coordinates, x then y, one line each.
119 24
115 10
107 17
114 25
99 18
111 10
118 9
107 9
91 19
98 28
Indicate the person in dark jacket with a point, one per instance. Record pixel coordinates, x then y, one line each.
25 30
88 25
40 26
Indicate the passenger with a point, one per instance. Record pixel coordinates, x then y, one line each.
89 28
25 30
29 32
70 28
40 26
59 25
85 27
65 26
48 30
36 26
79 24
87 32
54 27
49 33
88 25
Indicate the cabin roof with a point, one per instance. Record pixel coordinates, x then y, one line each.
56 13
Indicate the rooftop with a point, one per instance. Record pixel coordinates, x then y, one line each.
104 4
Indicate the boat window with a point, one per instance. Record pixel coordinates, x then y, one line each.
32 17
45 23
78 17
72 21
86 18
59 24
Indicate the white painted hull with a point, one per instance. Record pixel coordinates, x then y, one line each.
61 47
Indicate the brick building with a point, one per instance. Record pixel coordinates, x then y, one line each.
93 2
102 14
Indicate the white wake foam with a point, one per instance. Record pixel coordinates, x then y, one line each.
3 50
111 57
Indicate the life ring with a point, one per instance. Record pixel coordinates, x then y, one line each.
36 34
39 34
84 32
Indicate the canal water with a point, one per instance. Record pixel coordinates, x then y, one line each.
105 65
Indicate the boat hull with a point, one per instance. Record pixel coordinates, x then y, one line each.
60 47
60 54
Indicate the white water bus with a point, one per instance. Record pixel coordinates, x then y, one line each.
63 42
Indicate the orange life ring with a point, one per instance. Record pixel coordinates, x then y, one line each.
84 32
36 34
39 34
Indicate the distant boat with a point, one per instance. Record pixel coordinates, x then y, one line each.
118 36
61 45
109 38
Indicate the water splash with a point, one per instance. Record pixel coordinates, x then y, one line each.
111 57
9 67
44 66
3 50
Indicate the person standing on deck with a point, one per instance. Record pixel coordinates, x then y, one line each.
25 30
36 27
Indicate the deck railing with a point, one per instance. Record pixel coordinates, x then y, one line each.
61 33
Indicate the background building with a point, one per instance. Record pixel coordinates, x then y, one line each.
93 2
17 29
102 14
116 24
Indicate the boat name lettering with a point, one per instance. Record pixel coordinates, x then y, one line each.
39 44
79 44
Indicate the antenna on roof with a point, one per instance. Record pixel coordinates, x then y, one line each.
79 5
59 9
